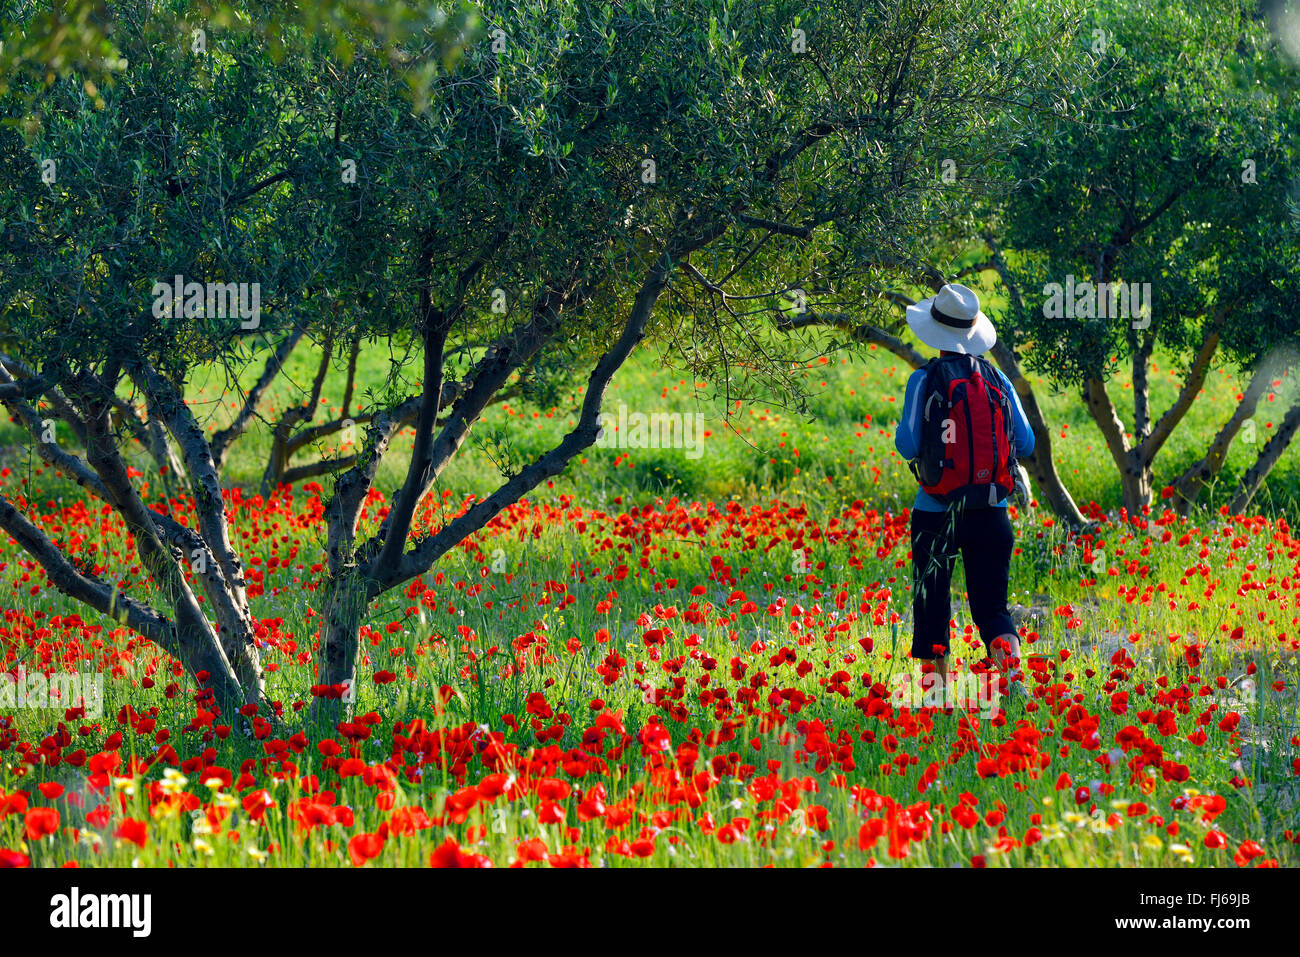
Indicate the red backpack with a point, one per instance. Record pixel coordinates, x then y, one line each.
968 449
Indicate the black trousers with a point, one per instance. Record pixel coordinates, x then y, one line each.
985 540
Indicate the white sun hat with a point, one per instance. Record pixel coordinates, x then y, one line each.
952 320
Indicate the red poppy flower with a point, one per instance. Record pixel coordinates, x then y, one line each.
40 821
449 854
1248 851
257 803
133 831
533 849
364 847
15 803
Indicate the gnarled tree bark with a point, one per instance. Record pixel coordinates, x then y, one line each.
1188 486
358 575
1264 462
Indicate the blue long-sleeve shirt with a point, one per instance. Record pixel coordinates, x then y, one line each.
908 437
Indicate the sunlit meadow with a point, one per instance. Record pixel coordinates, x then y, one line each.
666 660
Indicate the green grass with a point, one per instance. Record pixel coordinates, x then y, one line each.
842 451
492 633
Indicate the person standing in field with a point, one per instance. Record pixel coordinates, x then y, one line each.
961 430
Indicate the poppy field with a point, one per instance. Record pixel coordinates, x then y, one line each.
466 434
663 681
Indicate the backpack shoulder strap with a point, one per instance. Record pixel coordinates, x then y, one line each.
993 374
944 365
1007 391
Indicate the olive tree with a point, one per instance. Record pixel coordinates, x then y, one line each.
588 180
1162 220
1169 162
